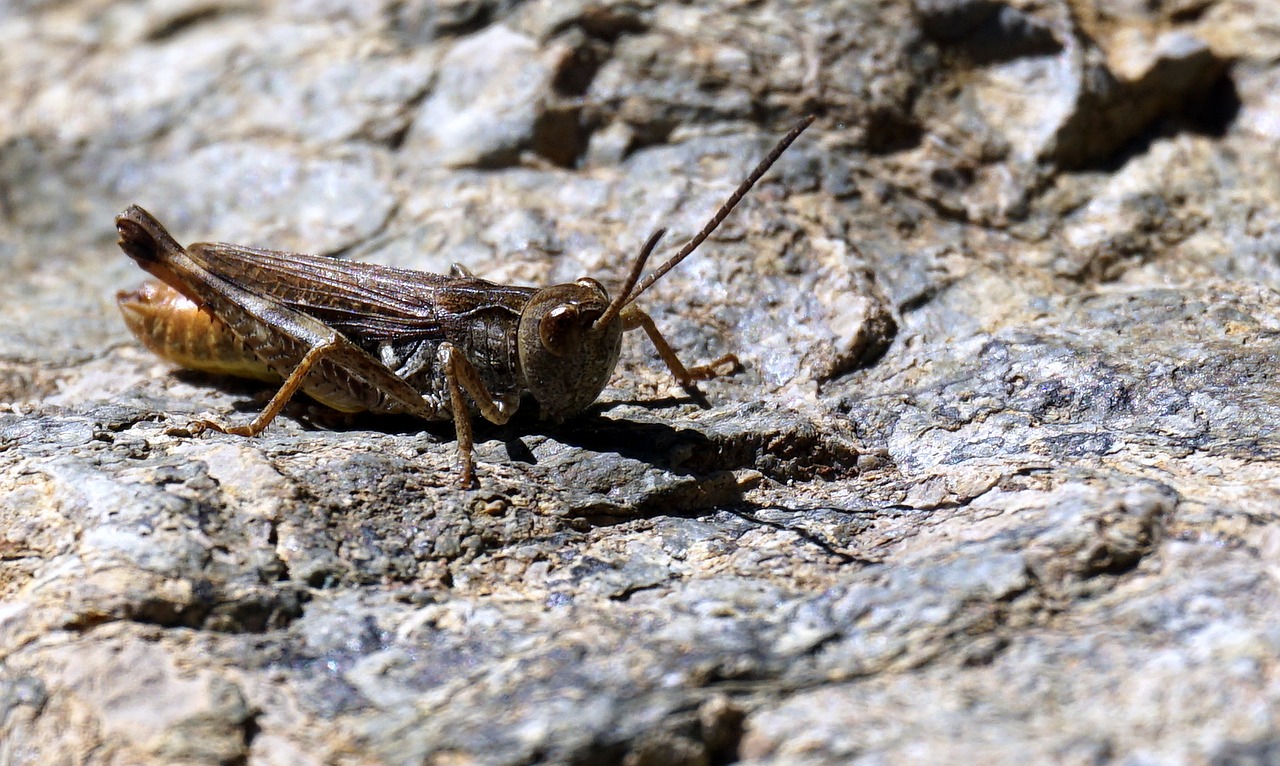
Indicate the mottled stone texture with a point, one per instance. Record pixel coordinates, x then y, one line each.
999 483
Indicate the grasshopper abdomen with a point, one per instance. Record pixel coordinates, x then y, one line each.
175 329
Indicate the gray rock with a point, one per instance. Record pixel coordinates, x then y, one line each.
494 72
995 482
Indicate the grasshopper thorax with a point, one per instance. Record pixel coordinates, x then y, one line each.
566 354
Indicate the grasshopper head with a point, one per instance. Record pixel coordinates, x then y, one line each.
566 353
570 335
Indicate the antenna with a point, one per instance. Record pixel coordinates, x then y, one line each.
721 214
621 299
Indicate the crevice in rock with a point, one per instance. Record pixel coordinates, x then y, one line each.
1216 111
985 31
788 450
176 25
251 729
750 513
259 611
419 23
1115 121
395 140
559 135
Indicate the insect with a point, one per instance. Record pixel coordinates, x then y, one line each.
358 336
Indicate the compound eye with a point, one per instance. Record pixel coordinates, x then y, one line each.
594 286
560 329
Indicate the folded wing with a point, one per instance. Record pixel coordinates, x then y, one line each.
364 301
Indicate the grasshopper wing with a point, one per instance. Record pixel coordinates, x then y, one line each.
364 301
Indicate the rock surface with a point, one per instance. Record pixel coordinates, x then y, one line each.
998 483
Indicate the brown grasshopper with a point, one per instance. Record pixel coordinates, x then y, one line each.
358 336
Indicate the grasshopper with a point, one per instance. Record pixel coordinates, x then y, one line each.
363 337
